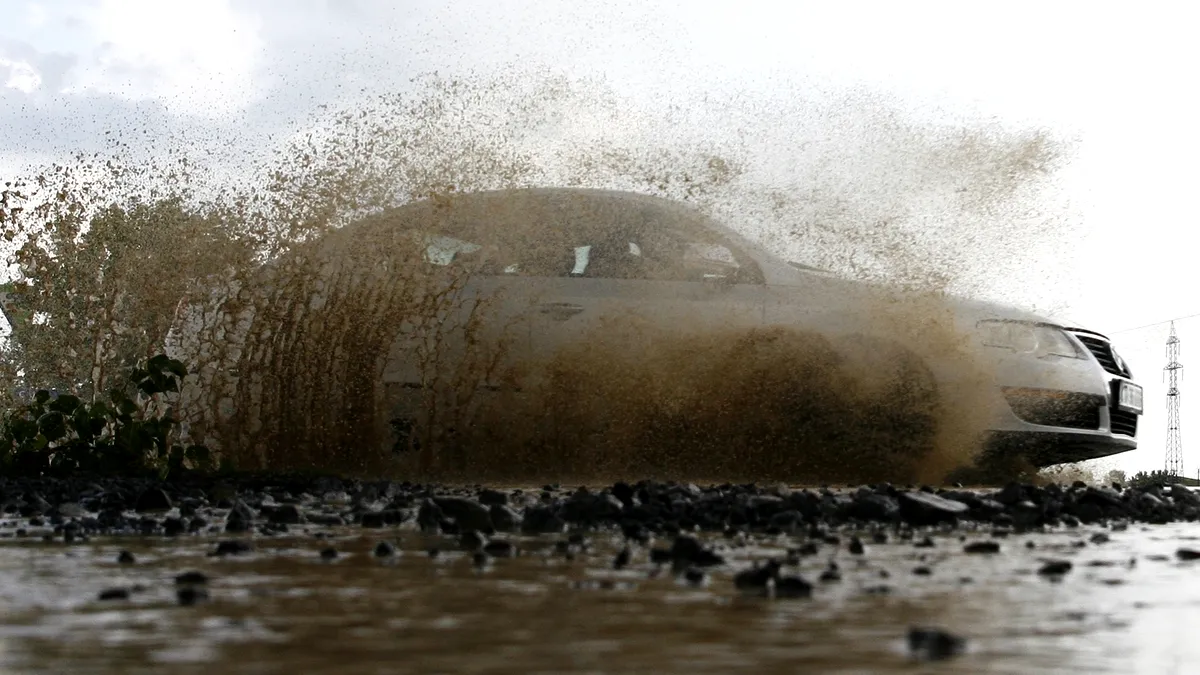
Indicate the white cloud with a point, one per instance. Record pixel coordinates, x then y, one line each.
197 58
21 75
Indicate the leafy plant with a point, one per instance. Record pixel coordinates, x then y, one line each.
133 431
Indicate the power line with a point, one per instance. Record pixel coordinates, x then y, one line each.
1156 323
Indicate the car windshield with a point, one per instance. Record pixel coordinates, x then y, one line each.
581 238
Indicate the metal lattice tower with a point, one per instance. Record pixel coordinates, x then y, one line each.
1171 372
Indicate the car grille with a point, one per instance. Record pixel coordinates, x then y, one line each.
1122 422
1102 350
1053 408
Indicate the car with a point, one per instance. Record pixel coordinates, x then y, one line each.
565 261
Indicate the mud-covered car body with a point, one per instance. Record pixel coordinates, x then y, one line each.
1060 393
565 260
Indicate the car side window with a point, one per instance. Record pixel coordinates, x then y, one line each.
633 244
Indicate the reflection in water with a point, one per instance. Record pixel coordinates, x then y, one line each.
283 609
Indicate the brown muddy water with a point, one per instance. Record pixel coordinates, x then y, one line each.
1127 606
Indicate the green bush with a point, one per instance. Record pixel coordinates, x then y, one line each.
133 432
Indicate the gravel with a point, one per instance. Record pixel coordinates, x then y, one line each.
680 527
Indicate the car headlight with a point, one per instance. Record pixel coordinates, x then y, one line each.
1029 338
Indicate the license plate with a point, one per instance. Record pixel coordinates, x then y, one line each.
1129 396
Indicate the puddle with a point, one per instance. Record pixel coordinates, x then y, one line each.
282 608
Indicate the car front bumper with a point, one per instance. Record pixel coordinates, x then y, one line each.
1062 409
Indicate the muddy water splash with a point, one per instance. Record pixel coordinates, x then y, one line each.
291 355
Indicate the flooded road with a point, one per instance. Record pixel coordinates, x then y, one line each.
1128 605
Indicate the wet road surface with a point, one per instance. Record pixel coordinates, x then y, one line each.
1127 605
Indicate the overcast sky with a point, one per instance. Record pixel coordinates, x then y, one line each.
1119 78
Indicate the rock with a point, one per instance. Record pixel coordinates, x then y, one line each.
791 587
114 594
923 508
153 499
191 595
70 510
624 493
384 549
808 548
982 547
472 540
873 506
372 519
756 580
232 547
493 498
500 549
125 558
694 576
240 518
1187 554
325 519
173 527
1010 494
785 520
934 644
622 559
467 513
504 519
856 546
542 520
191 578
1183 495
1055 568
287 514
831 574
1102 497
922 571
688 550
429 516
329 554
1100 538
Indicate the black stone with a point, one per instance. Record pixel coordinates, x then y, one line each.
173 527
191 578
793 587
114 594
504 519
500 549
232 547
982 547
287 514
1055 568
934 644
472 540
542 520
191 595
153 499
1187 554
125 558
329 554
856 546
467 513
372 519
493 498
924 508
